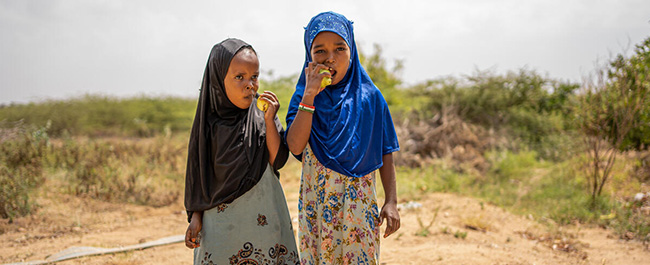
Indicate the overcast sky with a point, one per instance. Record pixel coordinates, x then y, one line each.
54 49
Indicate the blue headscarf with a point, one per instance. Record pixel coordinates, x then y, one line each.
352 128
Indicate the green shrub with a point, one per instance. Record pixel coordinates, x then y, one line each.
21 168
633 73
531 108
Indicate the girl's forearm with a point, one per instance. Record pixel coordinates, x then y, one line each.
387 172
298 133
272 140
197 216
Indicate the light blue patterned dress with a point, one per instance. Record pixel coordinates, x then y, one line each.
253 229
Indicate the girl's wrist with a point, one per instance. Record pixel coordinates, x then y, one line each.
390 201
308 99
308 108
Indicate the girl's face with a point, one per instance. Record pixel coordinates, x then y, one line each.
241 80
331 50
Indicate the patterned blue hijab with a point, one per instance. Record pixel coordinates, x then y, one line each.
352 128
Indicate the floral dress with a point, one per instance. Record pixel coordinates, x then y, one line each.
338 216
253 229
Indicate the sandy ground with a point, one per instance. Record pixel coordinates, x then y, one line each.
64 221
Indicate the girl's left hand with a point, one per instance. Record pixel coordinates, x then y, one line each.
390 213
274 105
192 234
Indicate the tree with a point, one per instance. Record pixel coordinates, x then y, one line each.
386 80
611 105
637 69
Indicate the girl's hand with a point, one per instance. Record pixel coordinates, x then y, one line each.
313 79
192 238
274 105
390 213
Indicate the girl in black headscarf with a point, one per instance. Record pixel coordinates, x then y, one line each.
234 201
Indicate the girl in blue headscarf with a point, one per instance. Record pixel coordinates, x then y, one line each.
342 133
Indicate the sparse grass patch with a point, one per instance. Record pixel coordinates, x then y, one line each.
509 177
146 171
521 183
141 171
424 229
524 184
412 183
556 191
460 234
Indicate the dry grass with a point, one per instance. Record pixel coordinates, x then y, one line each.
478 223
558 239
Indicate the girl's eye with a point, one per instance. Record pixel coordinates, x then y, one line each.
340 49
239 77
319 52
254 77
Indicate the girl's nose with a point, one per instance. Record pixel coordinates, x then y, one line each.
330 59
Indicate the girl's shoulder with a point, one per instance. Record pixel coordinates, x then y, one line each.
374 94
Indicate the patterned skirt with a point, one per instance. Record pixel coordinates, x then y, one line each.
253 229
338 216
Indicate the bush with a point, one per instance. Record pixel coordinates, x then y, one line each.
531 108
633 73
21 168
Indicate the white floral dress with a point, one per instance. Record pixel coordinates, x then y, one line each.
338 216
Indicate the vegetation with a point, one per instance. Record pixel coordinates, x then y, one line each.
610 108
96 116
21 168
140 171
386 80
520 146
134 171
532 109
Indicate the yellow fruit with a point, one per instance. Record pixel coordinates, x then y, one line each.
326 80
263 105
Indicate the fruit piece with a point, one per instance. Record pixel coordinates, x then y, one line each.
263 105
326 80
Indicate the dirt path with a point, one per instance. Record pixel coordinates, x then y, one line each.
65 221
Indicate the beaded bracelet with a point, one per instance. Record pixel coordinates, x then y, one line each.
307 108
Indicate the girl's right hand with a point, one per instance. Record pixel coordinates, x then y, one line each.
192 237
273 107
313 79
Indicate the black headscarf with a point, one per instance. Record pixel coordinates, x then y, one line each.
227 152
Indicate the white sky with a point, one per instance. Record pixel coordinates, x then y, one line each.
60 49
